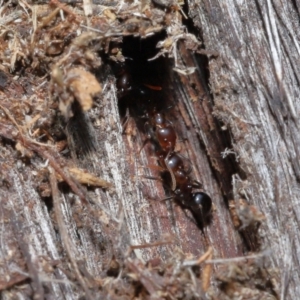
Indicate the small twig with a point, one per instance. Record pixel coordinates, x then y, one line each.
200 260
32 269
49 155
69 247
238 259
148 245
9 115
65 8
207 270
14 279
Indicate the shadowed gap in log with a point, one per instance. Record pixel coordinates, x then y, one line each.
145 93
224 162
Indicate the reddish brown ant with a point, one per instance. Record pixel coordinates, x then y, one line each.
163 131
163 135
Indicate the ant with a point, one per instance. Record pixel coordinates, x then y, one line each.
162 133
164 137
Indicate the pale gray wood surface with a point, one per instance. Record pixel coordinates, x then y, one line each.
255 84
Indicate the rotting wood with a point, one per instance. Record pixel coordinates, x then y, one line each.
254 81
104 227
68 246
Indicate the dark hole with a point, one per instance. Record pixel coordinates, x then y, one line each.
148 79
81 138
3 79
49 203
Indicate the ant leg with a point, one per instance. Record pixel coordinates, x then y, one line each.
149 130
197 185
162 200
159 179
152 177
154 167
149 135
143 146
126 121
170 107
189 170
167 198
173 187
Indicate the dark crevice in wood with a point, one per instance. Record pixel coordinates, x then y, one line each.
153 74
296 6
189 22
49 203
218 139
81 134
222 169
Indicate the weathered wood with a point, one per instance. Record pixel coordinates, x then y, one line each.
254 82
238 128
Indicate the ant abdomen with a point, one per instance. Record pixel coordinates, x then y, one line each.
162 132
166 138
202 204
